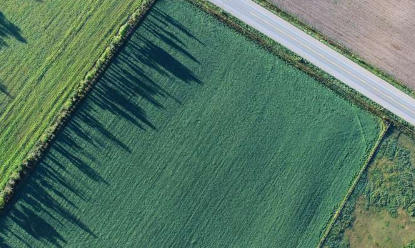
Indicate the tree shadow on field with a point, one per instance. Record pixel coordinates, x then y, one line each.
127 78
3 90
9 30
43 208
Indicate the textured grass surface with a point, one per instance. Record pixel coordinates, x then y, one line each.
194 137
46 47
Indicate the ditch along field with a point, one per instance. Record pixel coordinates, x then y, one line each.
194 137
46 48
381 212
382 32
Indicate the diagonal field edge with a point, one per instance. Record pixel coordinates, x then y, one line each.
70 106
385 128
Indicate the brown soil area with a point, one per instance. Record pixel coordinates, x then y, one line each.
380 31
378 229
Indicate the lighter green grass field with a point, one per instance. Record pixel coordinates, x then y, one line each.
194 137
46 47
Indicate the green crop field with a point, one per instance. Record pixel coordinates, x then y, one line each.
46 48
194 137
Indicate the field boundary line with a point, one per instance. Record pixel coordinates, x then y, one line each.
385 128
71 105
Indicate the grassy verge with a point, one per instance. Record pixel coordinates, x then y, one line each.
73 102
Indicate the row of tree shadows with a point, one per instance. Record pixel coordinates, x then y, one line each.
122 84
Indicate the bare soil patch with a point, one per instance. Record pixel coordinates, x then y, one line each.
380 31
374 228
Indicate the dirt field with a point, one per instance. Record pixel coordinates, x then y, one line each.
380 31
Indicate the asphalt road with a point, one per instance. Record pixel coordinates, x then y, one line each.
322 56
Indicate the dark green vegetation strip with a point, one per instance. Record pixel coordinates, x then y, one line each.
46 49
388 185
46 139
194 137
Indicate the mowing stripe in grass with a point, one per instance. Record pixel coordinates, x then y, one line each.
70 104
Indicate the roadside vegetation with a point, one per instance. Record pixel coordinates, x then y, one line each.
46 49
376 34
194 137
381 211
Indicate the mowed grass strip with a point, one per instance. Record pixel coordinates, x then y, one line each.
46 48
194 137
